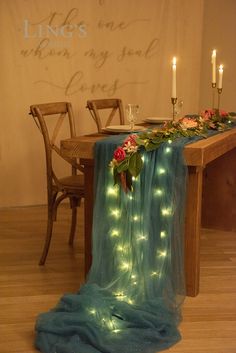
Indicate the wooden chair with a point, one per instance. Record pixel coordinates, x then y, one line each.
115 106
49 118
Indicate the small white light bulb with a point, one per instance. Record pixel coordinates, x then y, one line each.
112 191
166 211
161 171
115 233
162 234
167 150
154 274
115 213
162 253
158 192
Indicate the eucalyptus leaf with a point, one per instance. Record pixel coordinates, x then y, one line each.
135 164
157 140
139 141
151 146
123 166
129 180
116 176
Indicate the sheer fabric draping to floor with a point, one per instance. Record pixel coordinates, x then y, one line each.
131 302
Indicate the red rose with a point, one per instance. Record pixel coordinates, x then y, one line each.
119 154
223 113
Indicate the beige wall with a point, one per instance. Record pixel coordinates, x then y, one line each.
219 32
131 56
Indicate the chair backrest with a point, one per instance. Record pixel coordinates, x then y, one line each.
49 118
115 106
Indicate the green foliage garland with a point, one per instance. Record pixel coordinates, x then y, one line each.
127 159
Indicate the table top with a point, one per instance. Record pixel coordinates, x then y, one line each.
198 153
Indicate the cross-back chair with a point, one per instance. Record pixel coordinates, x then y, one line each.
49 118
116 109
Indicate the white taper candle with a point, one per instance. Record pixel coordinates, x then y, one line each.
173 94
213 61
221 70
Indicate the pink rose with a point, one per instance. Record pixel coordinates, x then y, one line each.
130 144
166 124
131 140
119 154
188 123
207 114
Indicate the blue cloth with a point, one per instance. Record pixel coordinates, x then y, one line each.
131 302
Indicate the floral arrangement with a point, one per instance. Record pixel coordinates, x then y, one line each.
127 158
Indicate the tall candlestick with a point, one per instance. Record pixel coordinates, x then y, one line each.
173 95
221 70
213 61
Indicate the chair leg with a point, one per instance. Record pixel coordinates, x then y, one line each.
48 238
73 225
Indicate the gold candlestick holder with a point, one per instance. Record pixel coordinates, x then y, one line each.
173 101
218 105
213 85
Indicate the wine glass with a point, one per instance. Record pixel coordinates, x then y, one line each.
131 114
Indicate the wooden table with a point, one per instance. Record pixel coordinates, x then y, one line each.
211 192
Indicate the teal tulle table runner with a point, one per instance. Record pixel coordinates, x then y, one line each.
131 302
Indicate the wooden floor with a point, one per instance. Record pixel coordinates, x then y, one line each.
209 320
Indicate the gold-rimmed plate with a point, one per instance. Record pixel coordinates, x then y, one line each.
156 119
123 128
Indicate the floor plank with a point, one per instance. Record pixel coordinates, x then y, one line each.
209 320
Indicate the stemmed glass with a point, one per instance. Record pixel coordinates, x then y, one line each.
131 114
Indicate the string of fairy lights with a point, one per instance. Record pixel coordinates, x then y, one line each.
122 246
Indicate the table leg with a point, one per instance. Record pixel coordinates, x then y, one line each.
219 193
88 212
192 230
